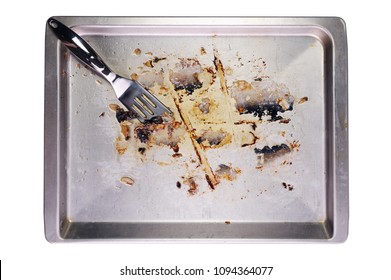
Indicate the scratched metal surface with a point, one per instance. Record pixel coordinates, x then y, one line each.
298 196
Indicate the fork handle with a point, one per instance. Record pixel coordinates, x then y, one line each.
80 48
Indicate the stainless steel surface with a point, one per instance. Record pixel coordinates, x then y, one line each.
300 196
132 95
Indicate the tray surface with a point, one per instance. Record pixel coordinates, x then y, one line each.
256 148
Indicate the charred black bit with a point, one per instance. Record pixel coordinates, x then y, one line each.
143 133
199 140
215 141
154 120
287 186
189 87
157 59
273 150
102 115
178 184
258 79
227 222
266 109
123 115
142 150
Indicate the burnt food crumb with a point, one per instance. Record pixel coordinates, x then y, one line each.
266 109
189 88
143 134
123 115
274 149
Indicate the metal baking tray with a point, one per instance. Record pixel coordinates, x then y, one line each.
259 103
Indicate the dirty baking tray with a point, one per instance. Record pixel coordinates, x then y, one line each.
256 150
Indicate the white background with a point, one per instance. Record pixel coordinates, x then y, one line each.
25 253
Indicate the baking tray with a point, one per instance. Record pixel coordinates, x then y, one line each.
280 168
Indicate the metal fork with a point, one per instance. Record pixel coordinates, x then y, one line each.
131 94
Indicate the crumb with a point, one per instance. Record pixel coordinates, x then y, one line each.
193 187
137 51
114 107
285 121
149 63
227 222
127 180
178 184
303 99
102 115
287 186
134 76
203 51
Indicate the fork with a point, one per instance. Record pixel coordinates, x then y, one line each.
129 92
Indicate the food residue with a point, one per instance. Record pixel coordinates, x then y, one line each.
303 99
127 180
210 112
137 51
287 186
193 186
227 172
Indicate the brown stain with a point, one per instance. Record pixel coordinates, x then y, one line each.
209 181
220 72
253 142
177 155
193 187
242 85
125 130
295 145
120 145
209 175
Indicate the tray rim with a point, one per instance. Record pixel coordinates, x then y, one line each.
334 27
